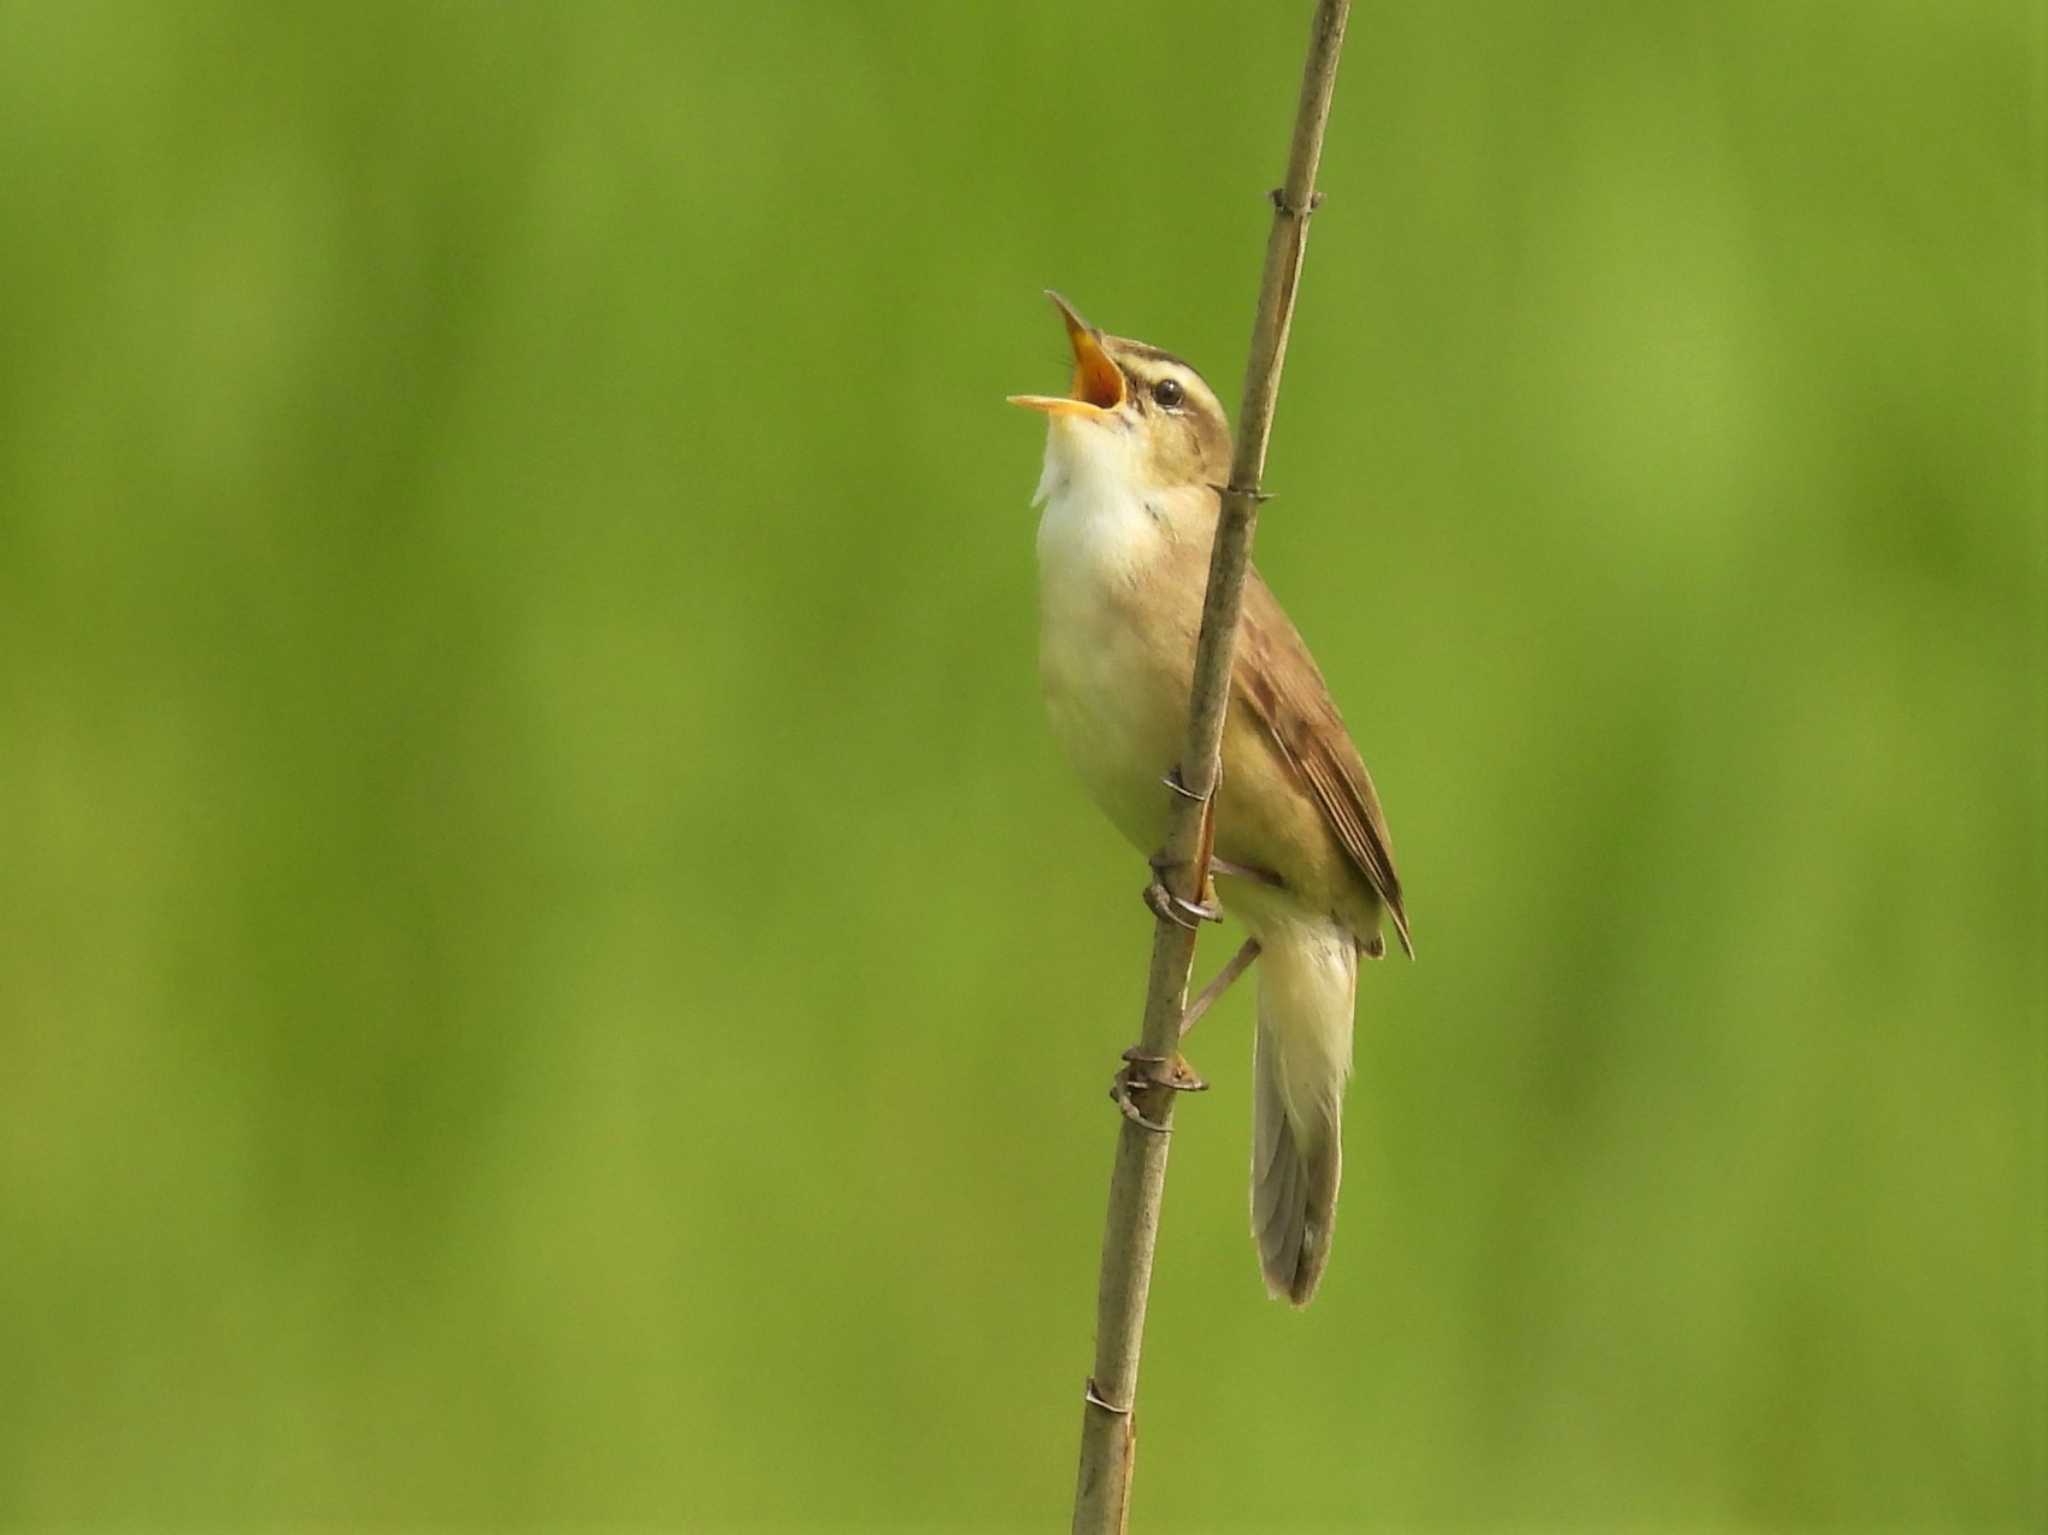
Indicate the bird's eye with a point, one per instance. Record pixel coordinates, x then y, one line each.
1168 393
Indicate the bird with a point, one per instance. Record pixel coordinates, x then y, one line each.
1135 460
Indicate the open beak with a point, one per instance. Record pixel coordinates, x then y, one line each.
1098 382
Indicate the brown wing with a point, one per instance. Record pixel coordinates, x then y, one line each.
1277 678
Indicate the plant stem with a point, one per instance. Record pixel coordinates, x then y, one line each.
1108 1429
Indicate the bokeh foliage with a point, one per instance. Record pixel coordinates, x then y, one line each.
552 976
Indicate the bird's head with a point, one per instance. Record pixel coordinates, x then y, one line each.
1135 412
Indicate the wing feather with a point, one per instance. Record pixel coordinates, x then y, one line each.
1278 679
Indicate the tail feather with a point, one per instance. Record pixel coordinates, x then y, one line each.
1301 1059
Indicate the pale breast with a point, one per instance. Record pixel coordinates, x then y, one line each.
1113 660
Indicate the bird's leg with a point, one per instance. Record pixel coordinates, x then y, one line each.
1236 966
1246 872
1159 896
1141 1071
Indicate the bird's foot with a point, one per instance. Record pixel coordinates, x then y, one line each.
1162 902
1141 1071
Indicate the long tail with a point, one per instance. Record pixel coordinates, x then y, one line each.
1308 985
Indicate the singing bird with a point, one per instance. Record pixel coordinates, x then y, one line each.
1134 461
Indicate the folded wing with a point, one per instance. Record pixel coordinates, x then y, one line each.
1278 680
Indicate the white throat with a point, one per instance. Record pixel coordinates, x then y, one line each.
1097 529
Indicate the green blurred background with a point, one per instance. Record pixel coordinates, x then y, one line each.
552 976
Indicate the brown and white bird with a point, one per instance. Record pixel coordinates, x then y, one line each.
1133 462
